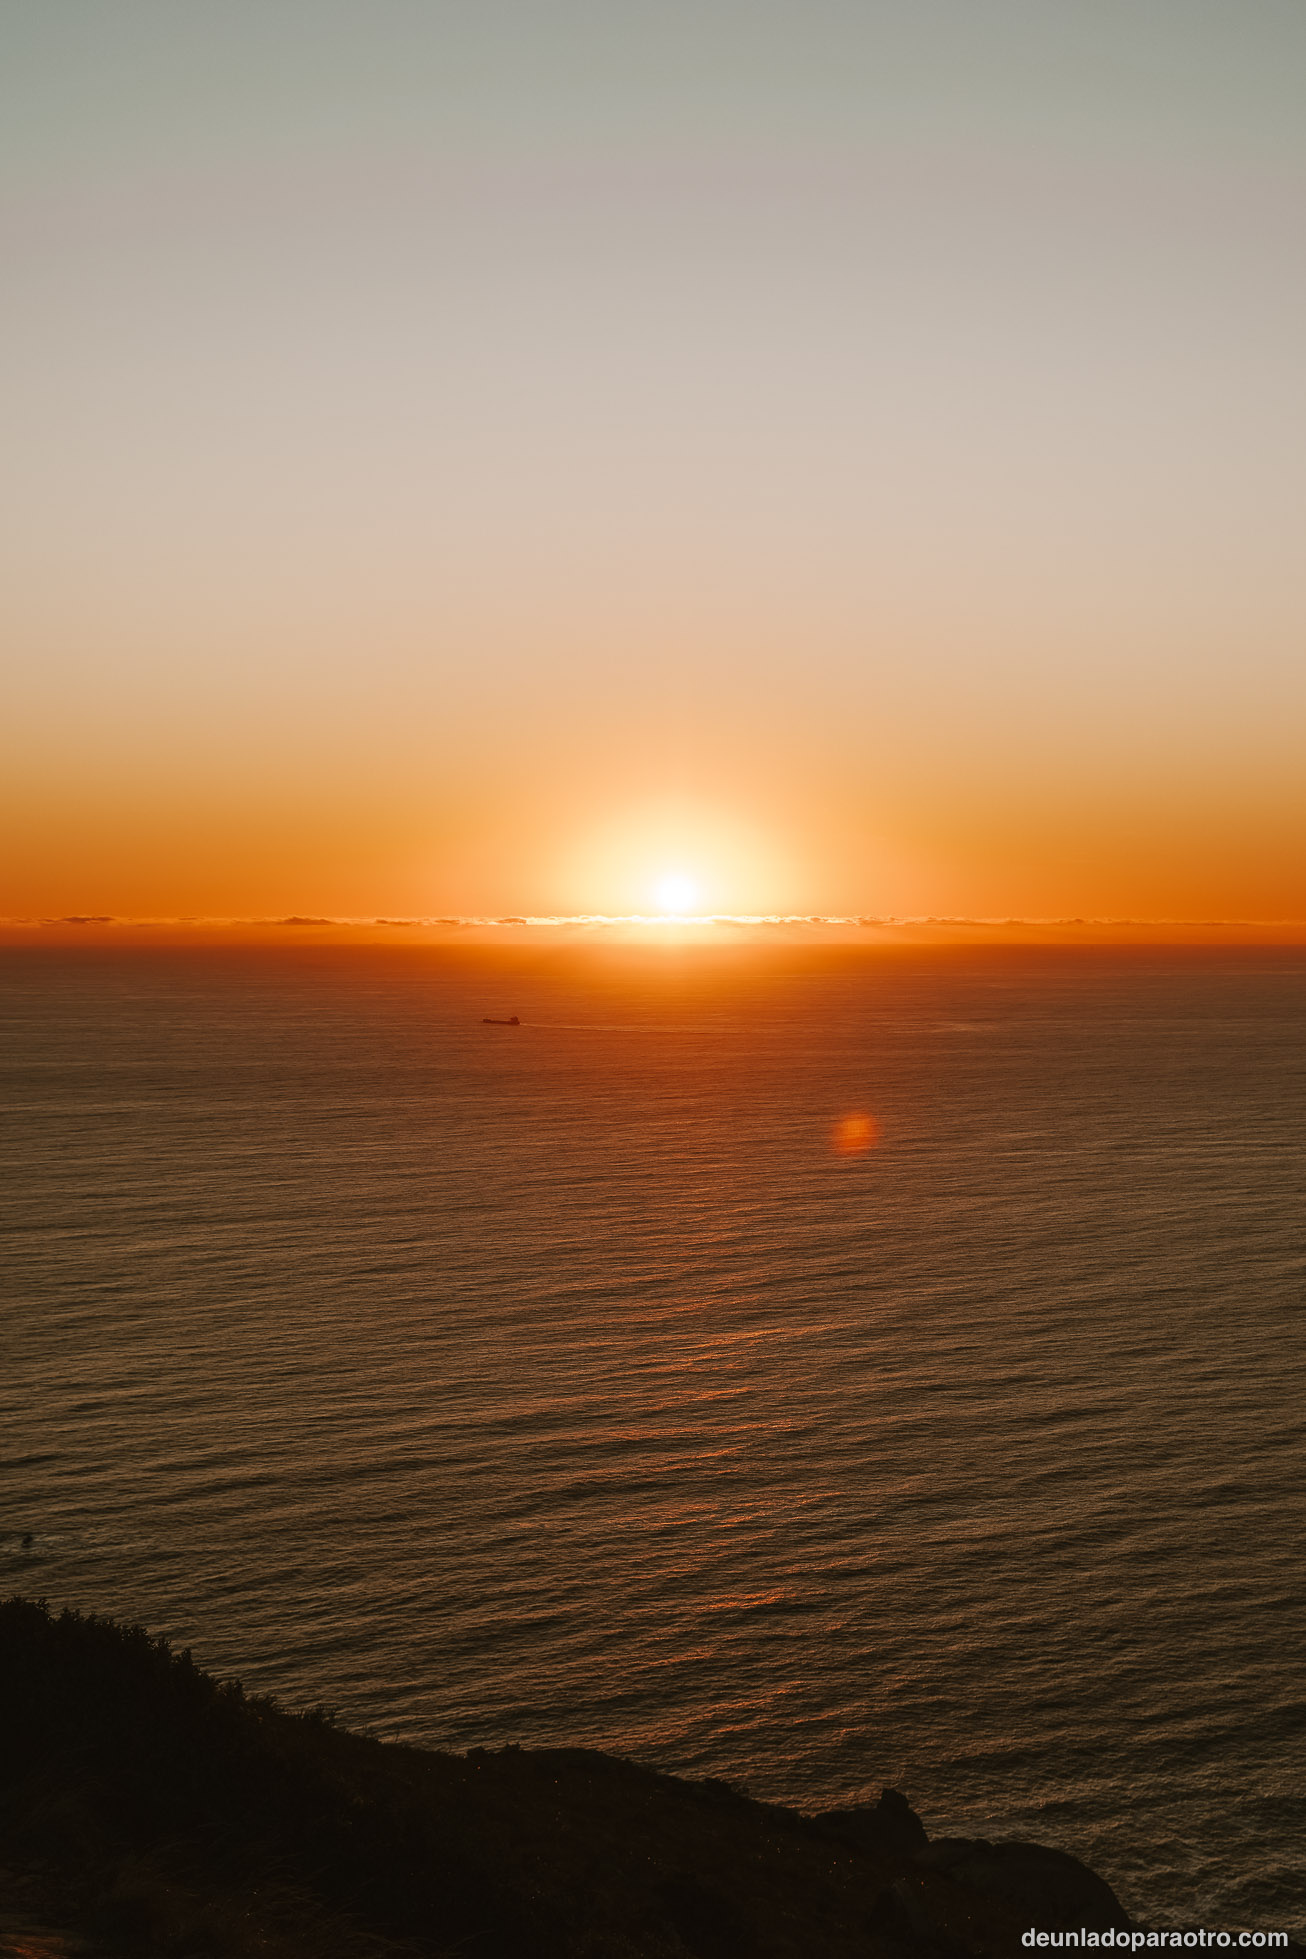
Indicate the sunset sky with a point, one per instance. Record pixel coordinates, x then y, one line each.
494 457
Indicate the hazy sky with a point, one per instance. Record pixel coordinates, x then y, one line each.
485 456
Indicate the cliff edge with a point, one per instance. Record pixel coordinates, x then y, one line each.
147 1809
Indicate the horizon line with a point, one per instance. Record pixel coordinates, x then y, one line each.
537 920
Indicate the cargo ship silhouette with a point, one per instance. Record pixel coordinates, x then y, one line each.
486 1021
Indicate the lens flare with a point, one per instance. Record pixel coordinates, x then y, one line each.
854 1134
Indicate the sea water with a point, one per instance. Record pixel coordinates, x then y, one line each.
563 1384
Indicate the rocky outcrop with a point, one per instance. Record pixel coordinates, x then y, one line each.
891 1824
1055 1888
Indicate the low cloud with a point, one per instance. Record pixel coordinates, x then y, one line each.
643 928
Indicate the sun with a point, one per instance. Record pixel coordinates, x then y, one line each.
675 892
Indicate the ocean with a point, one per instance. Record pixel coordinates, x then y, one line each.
562 1384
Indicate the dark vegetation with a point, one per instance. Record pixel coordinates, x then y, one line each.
148 1810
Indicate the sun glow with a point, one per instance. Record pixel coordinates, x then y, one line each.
676 893
674 862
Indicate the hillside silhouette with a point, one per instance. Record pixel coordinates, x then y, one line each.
152 1810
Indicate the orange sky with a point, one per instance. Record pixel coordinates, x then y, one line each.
478 462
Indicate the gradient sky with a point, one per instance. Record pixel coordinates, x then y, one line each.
481 457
